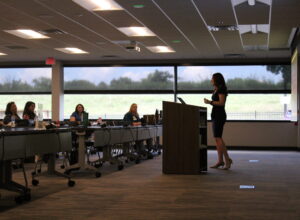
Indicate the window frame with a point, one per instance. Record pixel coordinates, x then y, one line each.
173 91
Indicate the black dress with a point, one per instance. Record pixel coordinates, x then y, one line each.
218 114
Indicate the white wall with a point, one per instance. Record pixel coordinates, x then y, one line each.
259 134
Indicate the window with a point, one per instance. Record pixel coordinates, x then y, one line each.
248 106
119 78
114 106
25 80
251 77
20 101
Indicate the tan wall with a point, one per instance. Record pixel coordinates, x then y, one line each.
265 134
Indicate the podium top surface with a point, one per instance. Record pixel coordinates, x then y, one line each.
177 103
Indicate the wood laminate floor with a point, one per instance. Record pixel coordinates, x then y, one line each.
143 192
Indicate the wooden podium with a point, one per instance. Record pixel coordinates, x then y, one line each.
184 138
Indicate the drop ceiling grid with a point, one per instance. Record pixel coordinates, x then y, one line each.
216 12
229 41
82 27
255 39
285 16
184 14
64 40
156 21
257 14
108 31
77 21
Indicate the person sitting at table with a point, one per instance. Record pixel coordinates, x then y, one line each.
28 112
77 115
11 113
132 116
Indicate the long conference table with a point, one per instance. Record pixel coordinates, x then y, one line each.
20 143
108 137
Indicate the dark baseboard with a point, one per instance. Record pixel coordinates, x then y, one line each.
257 148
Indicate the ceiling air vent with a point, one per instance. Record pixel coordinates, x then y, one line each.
256 47
52 31
109 56
16 47
223 28
280 49
233 55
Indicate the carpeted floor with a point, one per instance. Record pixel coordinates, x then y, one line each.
143 192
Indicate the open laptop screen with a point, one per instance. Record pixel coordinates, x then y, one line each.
181 100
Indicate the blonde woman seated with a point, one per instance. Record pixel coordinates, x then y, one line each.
132 116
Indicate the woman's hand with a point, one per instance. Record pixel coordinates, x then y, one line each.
206 101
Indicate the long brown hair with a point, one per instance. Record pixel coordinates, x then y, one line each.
131 111
77 107
219 82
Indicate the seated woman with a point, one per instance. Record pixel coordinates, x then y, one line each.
11 113
28 112
132 116
77 116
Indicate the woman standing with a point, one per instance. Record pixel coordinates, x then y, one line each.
218 117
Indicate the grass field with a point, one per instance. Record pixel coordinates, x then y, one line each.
115 106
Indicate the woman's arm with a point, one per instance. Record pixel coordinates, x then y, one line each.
221 102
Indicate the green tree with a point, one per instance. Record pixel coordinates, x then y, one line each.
80 85
285 71
42 84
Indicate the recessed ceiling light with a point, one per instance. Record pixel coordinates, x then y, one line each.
139 6
136 31
27 34
223 28
100 43
99 5
176 41
46 16
161 49
254 28
251 2
71 50
2 54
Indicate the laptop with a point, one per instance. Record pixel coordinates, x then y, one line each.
181 100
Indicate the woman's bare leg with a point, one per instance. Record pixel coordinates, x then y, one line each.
219 150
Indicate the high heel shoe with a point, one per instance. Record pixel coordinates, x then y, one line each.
227 166
217 165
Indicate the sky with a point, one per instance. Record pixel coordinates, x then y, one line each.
106 74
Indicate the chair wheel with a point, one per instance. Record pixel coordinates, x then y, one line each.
35 182
27 197
137 161
71 183
19 199
120 167
62 166
150 156
98 174
97 165
39 170
33 173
